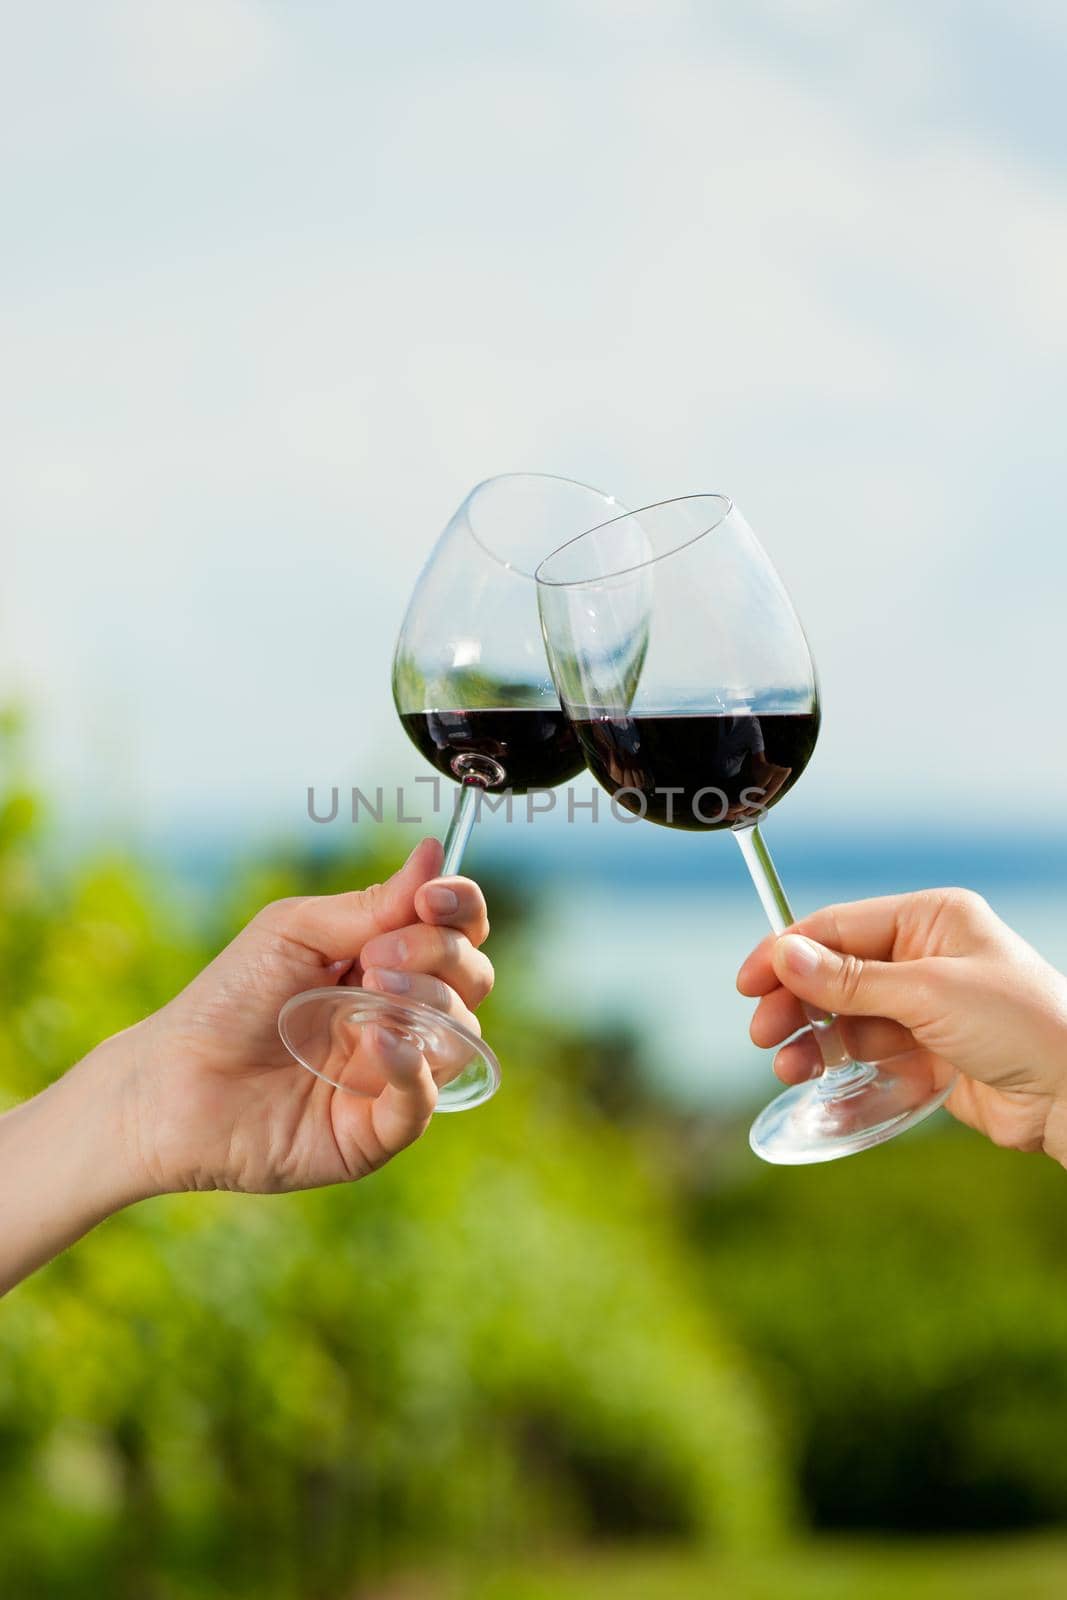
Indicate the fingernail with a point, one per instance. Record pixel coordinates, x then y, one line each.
802 956
442 902
391 982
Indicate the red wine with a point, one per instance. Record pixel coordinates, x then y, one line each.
725 770
521 747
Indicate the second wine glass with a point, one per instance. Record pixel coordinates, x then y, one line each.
474 692
687 676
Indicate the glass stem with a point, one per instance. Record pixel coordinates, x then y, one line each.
459 829
840 1073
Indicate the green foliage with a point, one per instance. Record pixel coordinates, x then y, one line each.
499 1339
910 1310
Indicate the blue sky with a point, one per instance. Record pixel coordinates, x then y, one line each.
281 281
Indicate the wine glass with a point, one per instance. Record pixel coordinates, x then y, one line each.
687 677
473 690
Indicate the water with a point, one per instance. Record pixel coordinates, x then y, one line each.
623 949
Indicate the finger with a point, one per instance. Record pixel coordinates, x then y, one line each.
403 1109
1012 1119
456 903
447 1052
426 989
441 951
865 928
798 1061
903 990
869 1039
779 1015
757 975
337 926
357 1052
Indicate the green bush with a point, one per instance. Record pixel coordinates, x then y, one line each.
910 1312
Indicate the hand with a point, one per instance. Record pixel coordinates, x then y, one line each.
204 1095
935 974
217 1102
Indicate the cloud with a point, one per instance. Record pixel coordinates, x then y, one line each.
86 85
184 51
247 378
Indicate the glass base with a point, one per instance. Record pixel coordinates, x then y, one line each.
814 1122
331 1032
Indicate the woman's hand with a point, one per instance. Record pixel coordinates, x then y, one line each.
204 1095
218 1102
935 974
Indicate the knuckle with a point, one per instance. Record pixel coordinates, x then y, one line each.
956 918
482 980
372 895
966 904
850 979
924 906
277 912
465 1015
437 949
473 915
441 996
426 946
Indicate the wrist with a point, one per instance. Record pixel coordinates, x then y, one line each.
66 1162
159 1142
84 1120
111 1084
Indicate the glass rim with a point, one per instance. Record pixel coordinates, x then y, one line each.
546 582
542 477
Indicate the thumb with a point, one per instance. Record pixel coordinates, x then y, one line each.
339 925
845 984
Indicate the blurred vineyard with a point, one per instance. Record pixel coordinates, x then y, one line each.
569 1321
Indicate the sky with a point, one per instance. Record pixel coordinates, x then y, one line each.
280 282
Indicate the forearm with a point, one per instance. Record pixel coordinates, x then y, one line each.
64 1161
